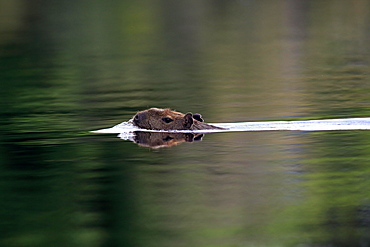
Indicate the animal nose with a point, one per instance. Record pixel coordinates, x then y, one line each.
138 117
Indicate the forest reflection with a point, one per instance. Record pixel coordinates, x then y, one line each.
68 67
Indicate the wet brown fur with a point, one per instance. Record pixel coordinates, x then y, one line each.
166 119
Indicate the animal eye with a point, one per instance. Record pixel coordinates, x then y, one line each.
167 119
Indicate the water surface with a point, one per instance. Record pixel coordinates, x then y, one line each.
71 67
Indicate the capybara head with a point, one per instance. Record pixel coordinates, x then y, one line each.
163 119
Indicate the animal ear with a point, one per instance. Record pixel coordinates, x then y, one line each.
188 120
198 117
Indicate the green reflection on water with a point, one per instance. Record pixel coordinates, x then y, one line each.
334 188
67 68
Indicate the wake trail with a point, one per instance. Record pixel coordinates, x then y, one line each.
308 125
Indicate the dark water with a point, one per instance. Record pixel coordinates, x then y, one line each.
68 67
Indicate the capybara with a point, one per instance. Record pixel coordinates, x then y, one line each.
165 119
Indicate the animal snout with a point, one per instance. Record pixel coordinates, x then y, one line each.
140 118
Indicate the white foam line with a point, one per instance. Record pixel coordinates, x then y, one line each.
309 125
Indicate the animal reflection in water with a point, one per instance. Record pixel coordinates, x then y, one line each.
161 139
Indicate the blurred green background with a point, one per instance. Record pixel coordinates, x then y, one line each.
68 67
